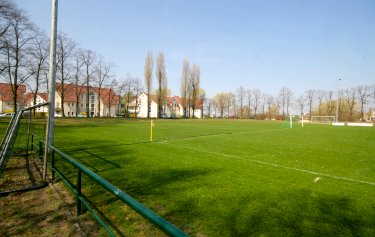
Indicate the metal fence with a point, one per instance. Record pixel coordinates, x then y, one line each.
27 133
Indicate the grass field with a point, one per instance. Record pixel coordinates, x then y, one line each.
231 177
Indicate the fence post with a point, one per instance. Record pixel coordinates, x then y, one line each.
79 206
40 149
53 165
32 142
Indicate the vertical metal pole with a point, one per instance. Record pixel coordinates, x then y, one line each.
79 193
53 165
32 142
51 86
337 102
28 133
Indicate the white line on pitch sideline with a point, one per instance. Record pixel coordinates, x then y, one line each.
275 165
219 134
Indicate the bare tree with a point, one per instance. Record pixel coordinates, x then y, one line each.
103 74
79 81
310 96
320 95
149 64
270 101
282 96
301 103
350 101
249 94
88 58
162 83
329 102
17 33
138 88
257 96
185 81
112 95
209 105
220 101
363 94
64 50
241 93
195 86
128 89
286 96
38 63
289 99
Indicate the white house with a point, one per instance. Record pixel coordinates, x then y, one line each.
138 106
40 99
173 107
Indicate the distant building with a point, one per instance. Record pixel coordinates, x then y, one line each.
40 99
173 107
75 101
6 97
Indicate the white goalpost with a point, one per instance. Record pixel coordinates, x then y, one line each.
323 119
295 119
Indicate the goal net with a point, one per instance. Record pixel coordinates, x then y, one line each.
323 119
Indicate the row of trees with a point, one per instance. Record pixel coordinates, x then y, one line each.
191 92
353 103
24 59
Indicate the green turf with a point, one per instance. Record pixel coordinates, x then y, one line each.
232 177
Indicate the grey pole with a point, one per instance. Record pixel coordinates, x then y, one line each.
337 101
51 86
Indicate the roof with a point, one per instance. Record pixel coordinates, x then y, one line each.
29 96
7 95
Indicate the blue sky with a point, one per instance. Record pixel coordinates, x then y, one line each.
264 44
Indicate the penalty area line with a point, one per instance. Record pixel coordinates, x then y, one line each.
276 165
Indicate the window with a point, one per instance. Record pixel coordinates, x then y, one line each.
68 113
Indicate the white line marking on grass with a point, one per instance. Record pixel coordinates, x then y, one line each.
276 165
219 134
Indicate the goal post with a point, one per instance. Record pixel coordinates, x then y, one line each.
323 119
293 120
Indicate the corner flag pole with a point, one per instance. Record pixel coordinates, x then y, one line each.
151 126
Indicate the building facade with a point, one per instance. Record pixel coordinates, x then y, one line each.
172 108
6 98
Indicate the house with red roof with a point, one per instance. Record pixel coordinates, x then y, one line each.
6 97
173 107
40 99
103 102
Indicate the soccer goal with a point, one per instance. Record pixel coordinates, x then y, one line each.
323 119
293 121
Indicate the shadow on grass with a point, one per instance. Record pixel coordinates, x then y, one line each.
162 182
304 216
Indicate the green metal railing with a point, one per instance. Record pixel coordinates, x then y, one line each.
161 223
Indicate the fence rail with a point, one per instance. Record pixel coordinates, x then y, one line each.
158 221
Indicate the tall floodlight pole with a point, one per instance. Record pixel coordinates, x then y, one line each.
51 86
337 101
